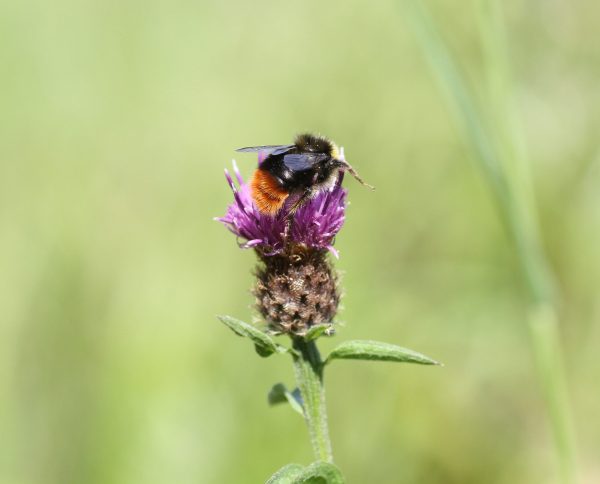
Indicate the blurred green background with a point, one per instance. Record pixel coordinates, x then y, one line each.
116 121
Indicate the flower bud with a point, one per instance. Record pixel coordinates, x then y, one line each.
296 290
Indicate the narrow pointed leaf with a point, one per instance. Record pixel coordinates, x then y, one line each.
317 331
320 473
280 394
286 475
377 351
263 343
277 394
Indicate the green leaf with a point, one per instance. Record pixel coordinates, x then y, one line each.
280 394
317 473
375 350
320 473
317 331
286 475
263 343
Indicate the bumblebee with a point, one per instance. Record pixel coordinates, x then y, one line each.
297 172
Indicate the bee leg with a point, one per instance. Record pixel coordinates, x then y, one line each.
289 218
305 197
344 165
289 221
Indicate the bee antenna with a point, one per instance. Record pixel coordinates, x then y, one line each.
348 167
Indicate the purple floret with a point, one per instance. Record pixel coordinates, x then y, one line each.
315 224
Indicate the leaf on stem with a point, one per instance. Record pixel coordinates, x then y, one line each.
286 475
263 343
280 394
320 473
317 331
317 473
377 351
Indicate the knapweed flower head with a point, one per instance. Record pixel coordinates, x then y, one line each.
314 226
296 286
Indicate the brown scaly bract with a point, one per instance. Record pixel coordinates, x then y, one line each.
296 290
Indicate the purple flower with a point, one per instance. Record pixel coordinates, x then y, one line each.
315 224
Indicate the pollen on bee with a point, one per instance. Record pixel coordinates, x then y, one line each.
268 196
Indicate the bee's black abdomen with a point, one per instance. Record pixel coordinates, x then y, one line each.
283 175
290 179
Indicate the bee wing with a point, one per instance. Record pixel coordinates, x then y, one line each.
303 161
272 149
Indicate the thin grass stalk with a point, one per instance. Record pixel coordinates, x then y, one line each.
543 315
500 152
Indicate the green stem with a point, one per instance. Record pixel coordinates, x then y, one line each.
308 368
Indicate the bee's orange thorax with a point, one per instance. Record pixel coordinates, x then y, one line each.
268 196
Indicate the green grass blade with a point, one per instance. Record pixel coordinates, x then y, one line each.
499 149
457 94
